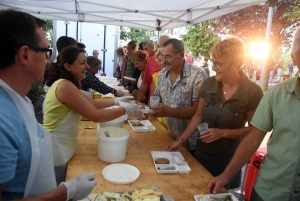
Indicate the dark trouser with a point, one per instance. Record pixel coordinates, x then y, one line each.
216 164
192 152
254 196
60 173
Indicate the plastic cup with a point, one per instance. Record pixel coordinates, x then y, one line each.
202 127
154 101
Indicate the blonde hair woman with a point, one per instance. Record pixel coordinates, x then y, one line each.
227 101
158 60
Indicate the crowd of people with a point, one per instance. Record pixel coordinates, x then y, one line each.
34 157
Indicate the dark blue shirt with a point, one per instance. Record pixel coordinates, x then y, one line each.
91 81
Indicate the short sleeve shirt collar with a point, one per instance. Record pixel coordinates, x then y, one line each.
241 93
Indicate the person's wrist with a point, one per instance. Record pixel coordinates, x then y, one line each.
180 140
226 134
63 191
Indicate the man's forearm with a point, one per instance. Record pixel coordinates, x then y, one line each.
244 152
59 194
181 113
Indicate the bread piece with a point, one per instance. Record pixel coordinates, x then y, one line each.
146 192
157 193
162 161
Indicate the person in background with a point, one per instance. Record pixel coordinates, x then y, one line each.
210 69
162 39
141 46
128 69
81 45
278 111
65 104
197 62
140 59
96 54
62 42
178 89
92 82
258 72
227 101
279 71
151 68
65 41
125 50
189 58
202 59
26 159
121 55
291 69
158 59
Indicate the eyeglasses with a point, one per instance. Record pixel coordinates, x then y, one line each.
217 64
42 49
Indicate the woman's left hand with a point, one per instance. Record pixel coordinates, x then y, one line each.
211 135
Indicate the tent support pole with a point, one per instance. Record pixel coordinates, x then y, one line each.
77 31
264 66
104 50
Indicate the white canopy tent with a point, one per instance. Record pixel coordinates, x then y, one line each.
144 14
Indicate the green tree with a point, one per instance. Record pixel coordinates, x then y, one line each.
295 14
200 38
250 23
49 30
140 35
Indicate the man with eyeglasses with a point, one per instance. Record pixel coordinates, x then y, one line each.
26 159
178 88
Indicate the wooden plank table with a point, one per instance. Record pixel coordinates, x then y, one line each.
177 186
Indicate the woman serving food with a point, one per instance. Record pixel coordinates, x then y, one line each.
65 104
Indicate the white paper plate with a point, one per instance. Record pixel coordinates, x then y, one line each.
120 173
205 197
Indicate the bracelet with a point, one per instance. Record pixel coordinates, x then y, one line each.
181 139
231 133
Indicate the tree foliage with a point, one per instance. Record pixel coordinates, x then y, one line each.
295 14
48 28
250 23
200 38
140 35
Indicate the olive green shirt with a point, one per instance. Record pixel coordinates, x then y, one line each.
279 176
231 114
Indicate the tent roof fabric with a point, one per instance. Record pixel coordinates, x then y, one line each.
143 14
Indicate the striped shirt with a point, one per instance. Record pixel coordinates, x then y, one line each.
181 94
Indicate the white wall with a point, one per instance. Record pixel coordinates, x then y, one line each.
92 35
